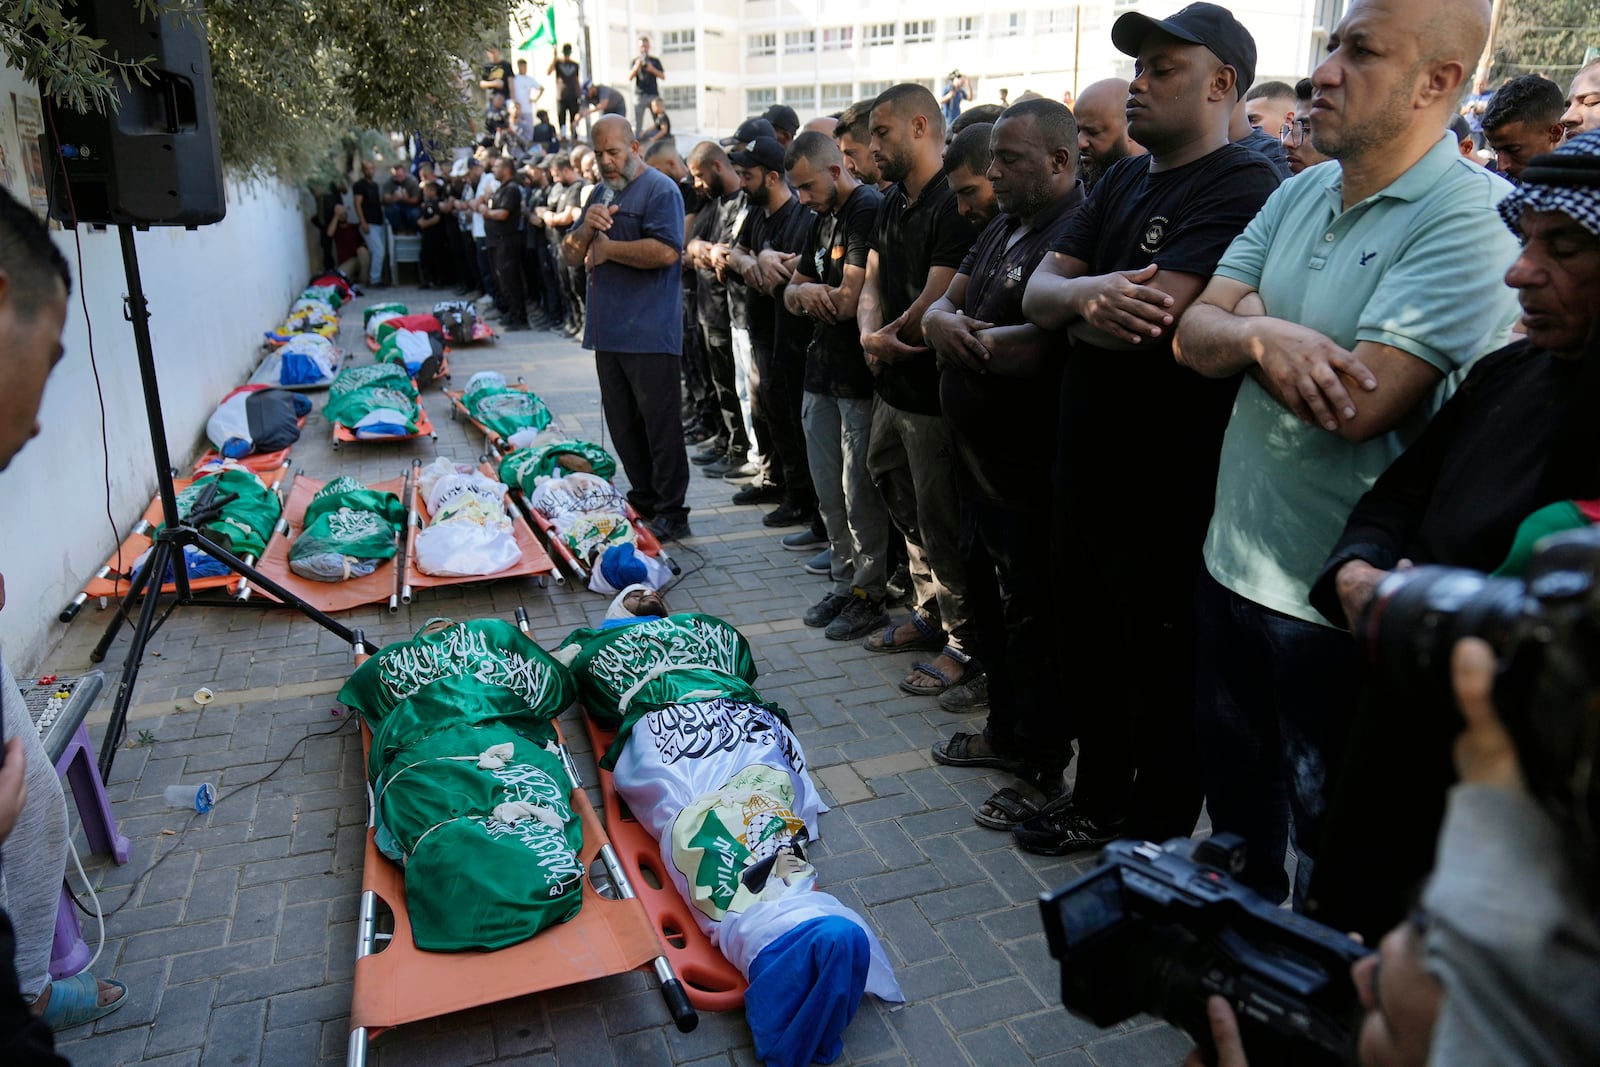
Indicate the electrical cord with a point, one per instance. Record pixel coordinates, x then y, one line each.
133 891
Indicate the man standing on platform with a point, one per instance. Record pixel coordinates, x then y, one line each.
631 240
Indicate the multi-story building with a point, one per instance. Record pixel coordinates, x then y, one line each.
727 59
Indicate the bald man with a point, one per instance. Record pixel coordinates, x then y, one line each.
1342 306
630 240
1103 128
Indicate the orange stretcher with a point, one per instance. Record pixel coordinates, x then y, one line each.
113 577
493 443
713 984
344 435
397 983
382 584
260 462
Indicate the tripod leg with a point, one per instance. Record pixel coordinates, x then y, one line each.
261 581
117 726
137 585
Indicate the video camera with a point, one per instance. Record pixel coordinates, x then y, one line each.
1160 928
1545 632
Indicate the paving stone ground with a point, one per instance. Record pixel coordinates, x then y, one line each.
235 930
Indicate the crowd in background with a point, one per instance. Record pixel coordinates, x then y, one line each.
1132 403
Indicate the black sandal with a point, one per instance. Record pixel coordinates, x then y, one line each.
957 752
1011 806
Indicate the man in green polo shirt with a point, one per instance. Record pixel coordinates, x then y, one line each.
1350 302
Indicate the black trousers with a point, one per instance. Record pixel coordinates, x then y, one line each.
639 394
506 254
463 255
1006 552
1126 605
782 387
435 256
719 366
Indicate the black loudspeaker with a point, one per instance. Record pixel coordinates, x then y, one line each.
155 160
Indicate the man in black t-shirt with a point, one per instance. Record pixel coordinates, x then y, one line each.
496 75
715 226
369 216
544 134
998 387
602 100
918 241
502 225
566 71
765 254
836 411
1137 452
660 125
644 74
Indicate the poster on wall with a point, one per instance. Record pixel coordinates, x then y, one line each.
29 125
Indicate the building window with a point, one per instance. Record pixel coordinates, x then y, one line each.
964 28
1010 24
872 89
799 42
678 98
836 96
763 44
1091 18
838 39
803 98
919 31
758 100
879 34
1056 20
677 41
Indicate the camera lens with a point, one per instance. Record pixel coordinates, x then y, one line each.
1417 616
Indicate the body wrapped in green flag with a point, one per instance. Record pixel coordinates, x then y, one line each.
524 467
348 531
378 400
244 524
469 794
495 405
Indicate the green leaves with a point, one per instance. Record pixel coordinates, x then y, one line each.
299 85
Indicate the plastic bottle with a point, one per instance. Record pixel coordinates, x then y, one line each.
196 797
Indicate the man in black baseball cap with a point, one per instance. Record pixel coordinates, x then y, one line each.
784 121
748 131
1205 24
761 151
765 253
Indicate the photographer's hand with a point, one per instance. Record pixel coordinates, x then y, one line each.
1485 753
1225 1032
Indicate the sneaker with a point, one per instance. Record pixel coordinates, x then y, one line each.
716 466
742 472
707 456
803 540
859 618
786 515
821 563
970 695
698 435
1063 829
669 528
825 611
758 494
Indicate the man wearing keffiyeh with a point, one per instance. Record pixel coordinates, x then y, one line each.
1519 435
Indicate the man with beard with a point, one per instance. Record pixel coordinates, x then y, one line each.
630 241
1133 424
764 254
851 133
1103 139
919 241
716 226
1342 303
1583 101
966 164
836 410
998 387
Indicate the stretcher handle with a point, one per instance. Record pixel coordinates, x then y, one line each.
70 612
414 479
684 1017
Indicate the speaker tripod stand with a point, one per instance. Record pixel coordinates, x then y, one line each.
175 535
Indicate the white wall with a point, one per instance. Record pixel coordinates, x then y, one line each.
211 294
